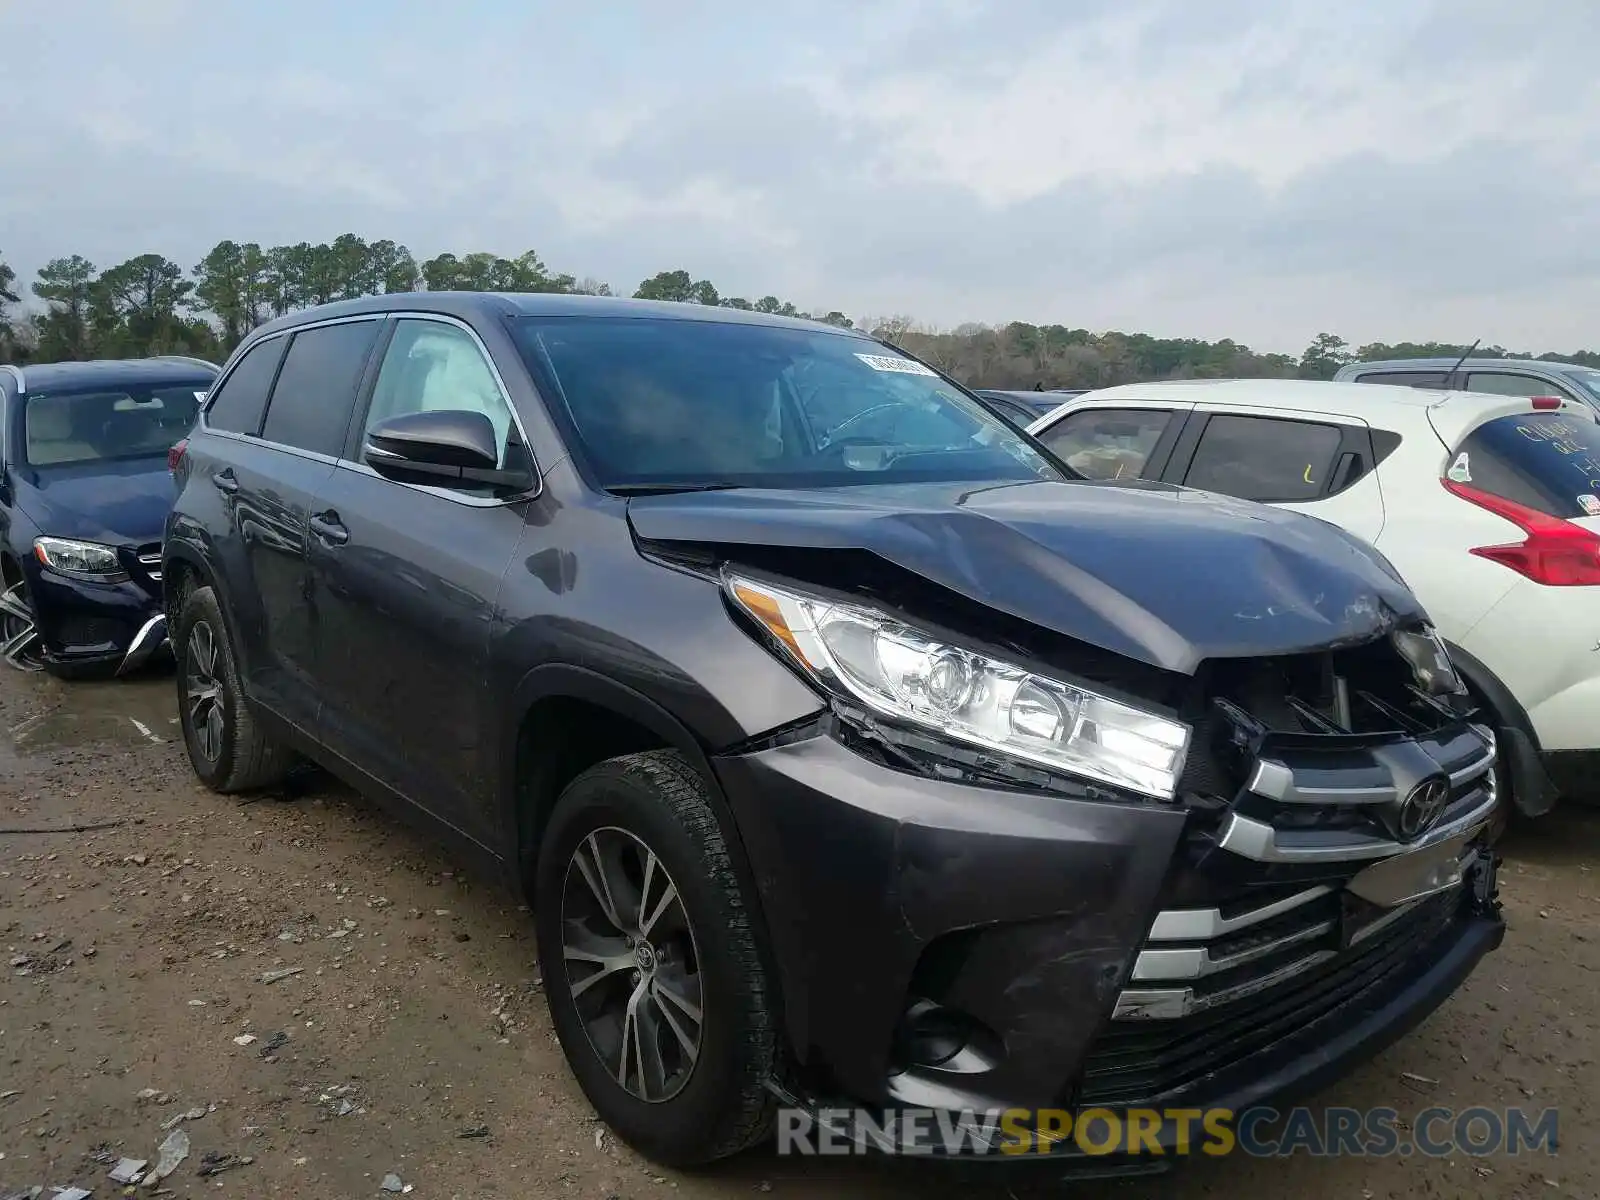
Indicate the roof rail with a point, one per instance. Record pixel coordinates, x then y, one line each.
16 373
188 358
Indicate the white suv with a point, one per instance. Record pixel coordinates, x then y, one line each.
1488 505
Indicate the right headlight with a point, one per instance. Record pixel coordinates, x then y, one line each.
878 660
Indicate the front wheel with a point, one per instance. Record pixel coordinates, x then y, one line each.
651 964
20 643
228 749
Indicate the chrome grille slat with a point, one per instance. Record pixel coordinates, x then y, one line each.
1276 780
1203 924
1172 1003
1257 840
1153 1062
1197 962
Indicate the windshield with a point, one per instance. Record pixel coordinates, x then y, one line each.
657 401
1589 381
63 428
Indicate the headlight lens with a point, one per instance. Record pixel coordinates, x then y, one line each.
1424 649
897 670
81 560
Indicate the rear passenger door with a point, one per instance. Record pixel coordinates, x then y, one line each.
280 461
1314 463
410 577
1121 440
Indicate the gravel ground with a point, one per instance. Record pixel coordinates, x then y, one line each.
417 1038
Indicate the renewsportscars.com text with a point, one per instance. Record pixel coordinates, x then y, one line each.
1260 1132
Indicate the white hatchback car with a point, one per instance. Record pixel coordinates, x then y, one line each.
1488 505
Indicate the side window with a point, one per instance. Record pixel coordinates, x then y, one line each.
1010 411
316 389
1264 458
430 366
1107 443
1503 383
1421 379
239 403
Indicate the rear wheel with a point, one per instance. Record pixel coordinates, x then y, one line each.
228 749
20 643
651 964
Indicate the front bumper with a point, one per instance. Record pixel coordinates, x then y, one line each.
1064 935
148 643
115 627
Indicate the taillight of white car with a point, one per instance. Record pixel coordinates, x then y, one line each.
1555 552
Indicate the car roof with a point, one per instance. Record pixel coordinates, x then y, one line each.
1377 404
545 304
1029 395
1554 366
1353 399
46 377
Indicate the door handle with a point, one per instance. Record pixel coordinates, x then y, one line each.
226 480
328 527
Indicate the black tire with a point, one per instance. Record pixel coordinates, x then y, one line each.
659 801
235 754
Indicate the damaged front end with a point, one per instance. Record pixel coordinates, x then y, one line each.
1014 868
1342 810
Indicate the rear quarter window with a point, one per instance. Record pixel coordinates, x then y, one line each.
1548 461
1268 459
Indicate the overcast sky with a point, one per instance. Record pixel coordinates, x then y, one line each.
1255 169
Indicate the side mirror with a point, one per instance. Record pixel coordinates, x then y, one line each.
445 447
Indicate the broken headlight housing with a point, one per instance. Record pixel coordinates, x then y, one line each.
1424 650
876 659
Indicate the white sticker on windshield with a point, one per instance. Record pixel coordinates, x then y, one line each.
1459 470
199 395
900 366
1590 504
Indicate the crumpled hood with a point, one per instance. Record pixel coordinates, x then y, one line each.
1165 575
111 502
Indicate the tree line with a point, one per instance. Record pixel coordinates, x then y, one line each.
152 305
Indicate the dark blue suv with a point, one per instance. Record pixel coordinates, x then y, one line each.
84 493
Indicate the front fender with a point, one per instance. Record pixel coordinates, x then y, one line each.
569 682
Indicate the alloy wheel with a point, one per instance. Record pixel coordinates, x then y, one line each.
202 691
20 643
632 966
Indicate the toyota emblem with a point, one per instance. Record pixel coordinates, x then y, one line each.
1423 806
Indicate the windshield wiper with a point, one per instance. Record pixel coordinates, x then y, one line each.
668 489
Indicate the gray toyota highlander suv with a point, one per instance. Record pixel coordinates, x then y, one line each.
851 749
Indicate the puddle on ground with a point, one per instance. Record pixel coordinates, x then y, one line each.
120 712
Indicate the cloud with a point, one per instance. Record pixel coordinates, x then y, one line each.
1262 170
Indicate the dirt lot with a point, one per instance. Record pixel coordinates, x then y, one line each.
135 957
